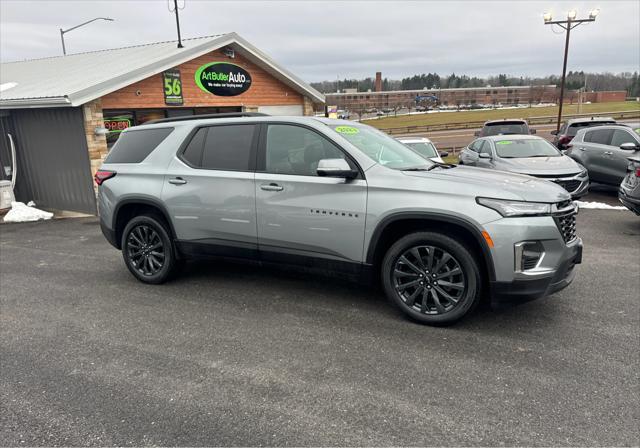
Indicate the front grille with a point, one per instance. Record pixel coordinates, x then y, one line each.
566 223
569 185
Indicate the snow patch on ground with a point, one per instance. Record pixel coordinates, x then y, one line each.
599 205
20 212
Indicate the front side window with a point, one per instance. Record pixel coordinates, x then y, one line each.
425 149
511 149
297 150
381 148
485 148
621 137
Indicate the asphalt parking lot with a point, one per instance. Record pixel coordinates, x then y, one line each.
230 354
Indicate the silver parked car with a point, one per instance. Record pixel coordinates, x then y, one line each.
315 192
526 154
424 147
604 151
629 191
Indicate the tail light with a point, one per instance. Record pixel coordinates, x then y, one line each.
565 139
638 172
102 175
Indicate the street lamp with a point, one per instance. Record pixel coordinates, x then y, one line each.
567 25
62 32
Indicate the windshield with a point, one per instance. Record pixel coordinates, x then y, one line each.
509 149
424 149
505 128
381 148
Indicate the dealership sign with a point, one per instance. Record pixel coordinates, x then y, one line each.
172 87
223 79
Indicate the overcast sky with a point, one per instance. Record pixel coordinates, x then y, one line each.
322 40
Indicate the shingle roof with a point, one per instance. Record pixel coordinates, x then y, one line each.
75 79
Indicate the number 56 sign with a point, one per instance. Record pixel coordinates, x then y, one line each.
172 87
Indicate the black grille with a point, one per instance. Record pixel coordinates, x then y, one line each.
569 185
567 225
530 262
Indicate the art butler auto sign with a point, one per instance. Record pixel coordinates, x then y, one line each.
223 79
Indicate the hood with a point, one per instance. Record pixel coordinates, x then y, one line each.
539 165
498 184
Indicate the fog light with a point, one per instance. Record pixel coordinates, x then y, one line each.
528 255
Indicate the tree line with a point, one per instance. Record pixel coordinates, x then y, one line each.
575 80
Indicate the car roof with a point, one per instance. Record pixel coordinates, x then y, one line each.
512 137
589 119
414 140
506 120
628 126
195 122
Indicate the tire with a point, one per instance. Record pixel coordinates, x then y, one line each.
454 289
149 236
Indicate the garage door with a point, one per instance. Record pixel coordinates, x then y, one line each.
281 110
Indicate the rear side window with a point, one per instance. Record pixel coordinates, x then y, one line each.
599 136
134 146
226 147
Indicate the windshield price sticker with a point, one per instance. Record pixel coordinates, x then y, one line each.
504 142
347 130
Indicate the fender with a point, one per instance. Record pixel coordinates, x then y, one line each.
432 216
145 201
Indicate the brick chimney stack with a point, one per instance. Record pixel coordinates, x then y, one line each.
378 85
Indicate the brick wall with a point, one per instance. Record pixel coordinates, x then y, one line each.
265 90
97 144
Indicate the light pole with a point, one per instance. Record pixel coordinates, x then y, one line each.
62 32
567 25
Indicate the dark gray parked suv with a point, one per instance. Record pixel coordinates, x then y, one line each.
604 151
323 193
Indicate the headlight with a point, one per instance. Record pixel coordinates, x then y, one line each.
515 208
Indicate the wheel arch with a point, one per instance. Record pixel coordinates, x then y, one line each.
131 207
390 228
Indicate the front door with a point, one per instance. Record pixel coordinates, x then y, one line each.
210 191
299 213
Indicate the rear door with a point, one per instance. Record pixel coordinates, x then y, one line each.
302 216
210 190
596 143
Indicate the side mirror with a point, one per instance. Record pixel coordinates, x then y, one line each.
630 146
484 155
553 132
532 131
477 133
335 168
443 154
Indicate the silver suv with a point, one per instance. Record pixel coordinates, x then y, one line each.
321 193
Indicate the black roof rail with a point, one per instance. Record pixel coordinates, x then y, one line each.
205 116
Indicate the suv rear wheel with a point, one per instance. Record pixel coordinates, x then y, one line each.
431 277
148 250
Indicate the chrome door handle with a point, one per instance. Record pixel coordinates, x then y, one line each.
581 149
177 181
271 187
608 153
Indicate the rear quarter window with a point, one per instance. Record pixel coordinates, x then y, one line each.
134 146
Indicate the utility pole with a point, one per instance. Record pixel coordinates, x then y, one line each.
567 25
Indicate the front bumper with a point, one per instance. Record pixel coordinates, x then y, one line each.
527 287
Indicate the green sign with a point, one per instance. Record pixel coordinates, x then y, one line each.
504 142
346 130
172 85
223 79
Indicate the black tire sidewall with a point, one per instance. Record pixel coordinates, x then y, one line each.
170 255
464 257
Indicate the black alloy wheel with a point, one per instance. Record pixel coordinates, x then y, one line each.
432 277
429 279
145 250
148 250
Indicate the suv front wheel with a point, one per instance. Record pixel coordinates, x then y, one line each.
431 277
147 249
